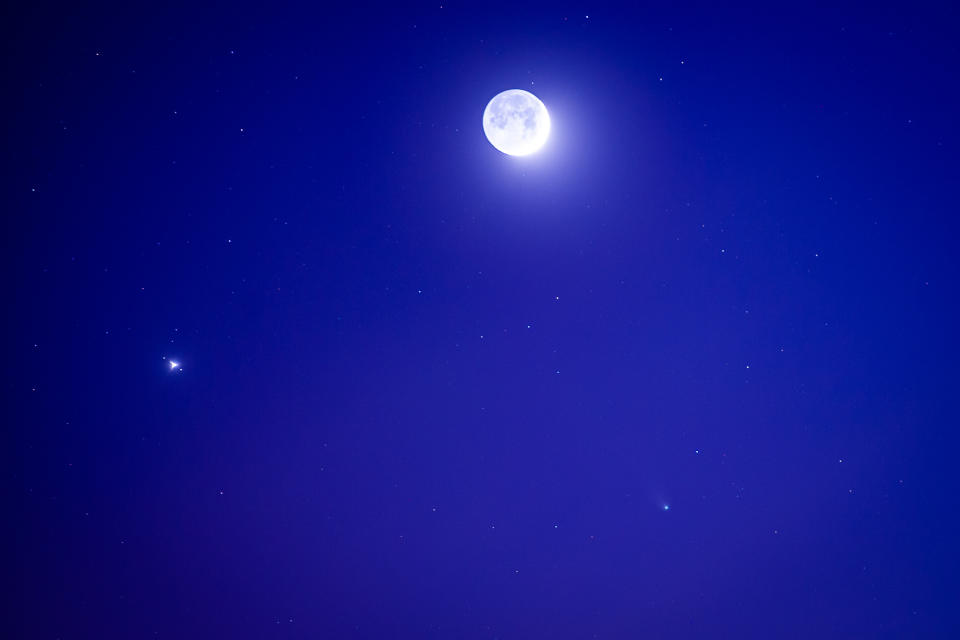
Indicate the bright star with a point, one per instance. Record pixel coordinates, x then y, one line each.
174 365
666 507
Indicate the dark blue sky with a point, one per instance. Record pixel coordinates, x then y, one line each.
429 390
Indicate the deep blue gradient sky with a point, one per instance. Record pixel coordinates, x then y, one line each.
433 391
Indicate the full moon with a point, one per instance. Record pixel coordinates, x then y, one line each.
516 122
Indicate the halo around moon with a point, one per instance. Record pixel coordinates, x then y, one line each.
516 122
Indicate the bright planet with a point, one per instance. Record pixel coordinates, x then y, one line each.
516 122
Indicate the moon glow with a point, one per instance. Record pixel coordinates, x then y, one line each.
516 122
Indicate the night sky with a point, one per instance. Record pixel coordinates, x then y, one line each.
689 371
